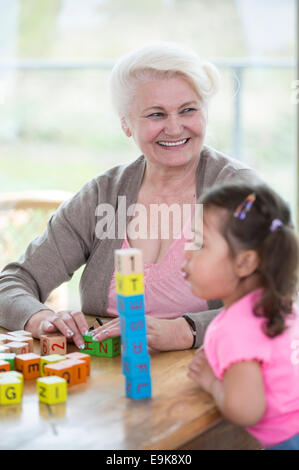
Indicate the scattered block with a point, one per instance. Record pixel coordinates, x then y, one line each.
13 373
21 333
51 359
128 261
131 284
4 349
28 364
61 369
9 357
53 344
139 388
81 357
10 390
110 347
4 339
51 390
4 366
18 347
22 339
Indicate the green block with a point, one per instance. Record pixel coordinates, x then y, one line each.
9 357
110 347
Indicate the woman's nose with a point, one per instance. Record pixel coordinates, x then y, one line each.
173 126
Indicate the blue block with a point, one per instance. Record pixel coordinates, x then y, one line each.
131 326
136 367
134 346
139 388
130 305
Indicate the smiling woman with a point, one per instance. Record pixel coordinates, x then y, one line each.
161 93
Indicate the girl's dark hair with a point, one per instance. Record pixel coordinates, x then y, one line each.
278 250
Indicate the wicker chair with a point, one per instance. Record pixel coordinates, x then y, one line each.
23 216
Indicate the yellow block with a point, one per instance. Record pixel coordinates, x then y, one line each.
129 284
10 391
14 374
51 359
51 389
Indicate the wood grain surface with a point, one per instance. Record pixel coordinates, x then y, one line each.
98 415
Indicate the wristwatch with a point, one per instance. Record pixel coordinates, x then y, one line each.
191 323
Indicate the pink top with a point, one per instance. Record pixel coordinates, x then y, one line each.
236 335
167 294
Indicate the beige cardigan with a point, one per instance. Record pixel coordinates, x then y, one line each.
69 241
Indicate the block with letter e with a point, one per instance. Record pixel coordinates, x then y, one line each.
130 305
51 390
28 364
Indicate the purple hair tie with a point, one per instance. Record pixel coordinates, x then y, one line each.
276 223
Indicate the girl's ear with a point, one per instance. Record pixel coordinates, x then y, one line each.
246 263
125 127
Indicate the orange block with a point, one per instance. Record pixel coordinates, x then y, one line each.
52 344
18 347
4 366
82 357
28 364
62 369
79 371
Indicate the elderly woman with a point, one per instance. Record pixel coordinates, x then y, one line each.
161 93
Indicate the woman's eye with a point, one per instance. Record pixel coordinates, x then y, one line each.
155 115
188 110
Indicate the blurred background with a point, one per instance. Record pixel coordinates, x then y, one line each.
58 128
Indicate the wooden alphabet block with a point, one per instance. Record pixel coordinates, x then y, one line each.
81 357
128 261
4 339
51 359
28 364
10 391
22 339
51 390
4 349
62 369
79 371
131 284
21 333
9 357
4 366
132 325
52 344
136 367
130 305
17 347
134 346
13 373
139 388
110 347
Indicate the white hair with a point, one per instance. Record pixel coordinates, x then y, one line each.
158 61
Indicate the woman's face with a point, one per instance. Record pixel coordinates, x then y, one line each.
167 121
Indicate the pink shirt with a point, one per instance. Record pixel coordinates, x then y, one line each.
167 294
236 335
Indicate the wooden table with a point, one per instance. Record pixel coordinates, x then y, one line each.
98 415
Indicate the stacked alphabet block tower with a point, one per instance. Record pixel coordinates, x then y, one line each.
131 308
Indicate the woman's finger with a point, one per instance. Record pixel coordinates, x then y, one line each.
80 321
109 330
72 325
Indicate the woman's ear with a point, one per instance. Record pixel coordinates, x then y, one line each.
246 263
125 127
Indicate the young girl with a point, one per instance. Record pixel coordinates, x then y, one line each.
250 358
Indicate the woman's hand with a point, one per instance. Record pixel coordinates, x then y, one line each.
72 324
201 372
162 335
